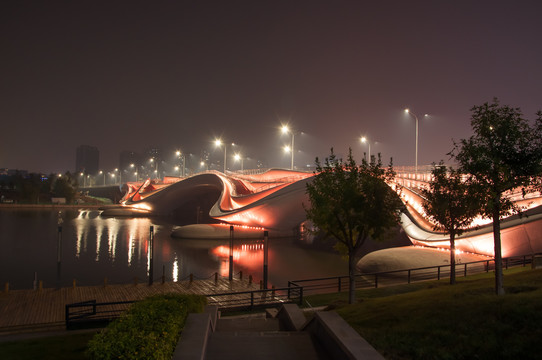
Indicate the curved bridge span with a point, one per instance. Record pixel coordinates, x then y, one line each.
274 200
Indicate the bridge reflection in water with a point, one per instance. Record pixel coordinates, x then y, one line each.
273 200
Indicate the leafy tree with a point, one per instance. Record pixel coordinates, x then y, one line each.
350 203
505 153
64 186
451 204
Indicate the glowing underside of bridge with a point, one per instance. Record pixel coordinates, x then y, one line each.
274 200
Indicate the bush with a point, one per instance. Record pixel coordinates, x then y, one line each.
149 330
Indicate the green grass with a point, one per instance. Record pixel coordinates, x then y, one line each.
434 320
65 347
429 320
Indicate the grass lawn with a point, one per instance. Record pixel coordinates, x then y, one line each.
429 320
65 347
433 320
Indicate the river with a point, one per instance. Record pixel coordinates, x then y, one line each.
93 248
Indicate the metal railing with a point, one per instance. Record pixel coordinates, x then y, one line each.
91 313
250 300
406 276
88 313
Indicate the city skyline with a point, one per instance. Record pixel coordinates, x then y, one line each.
127 76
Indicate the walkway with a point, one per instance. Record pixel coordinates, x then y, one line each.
37 310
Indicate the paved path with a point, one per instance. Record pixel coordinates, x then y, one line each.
34 310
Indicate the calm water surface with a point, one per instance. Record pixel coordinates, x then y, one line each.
93 248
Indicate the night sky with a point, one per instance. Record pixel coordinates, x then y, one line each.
130 75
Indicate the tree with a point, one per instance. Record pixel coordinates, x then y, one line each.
504 154
451 204
350 203
64 186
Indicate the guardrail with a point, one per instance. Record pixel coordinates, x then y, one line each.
250 300
91 313
406 276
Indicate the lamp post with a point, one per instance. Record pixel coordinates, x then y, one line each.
238 157
364 140
133 166
218 143
416 118
182 157
285 130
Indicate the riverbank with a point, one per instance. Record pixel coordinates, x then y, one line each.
57 206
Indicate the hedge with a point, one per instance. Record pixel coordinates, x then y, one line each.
149 330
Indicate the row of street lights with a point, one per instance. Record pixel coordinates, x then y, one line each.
365 140
285 129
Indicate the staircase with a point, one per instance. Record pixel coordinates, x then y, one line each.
259 338
277 335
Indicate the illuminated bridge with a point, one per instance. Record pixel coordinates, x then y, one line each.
208 203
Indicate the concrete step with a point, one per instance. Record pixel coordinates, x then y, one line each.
256 324
283 345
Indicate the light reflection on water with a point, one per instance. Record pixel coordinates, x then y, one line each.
94 248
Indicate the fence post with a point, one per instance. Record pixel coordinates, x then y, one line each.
376 281
250 279
273 292
216 278
240 275
151 255
230 276
506 263
289 283
339 284
438 273
251 300
465 269
301 295
487 266
67 316
409 276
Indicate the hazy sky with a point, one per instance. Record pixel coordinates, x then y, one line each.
128 75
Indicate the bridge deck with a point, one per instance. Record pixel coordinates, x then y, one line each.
27 310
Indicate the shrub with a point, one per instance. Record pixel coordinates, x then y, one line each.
149 330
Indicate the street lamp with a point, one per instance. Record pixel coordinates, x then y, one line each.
182 157
238 157
285 130
364 140
135 172
101 172
415 117
218 143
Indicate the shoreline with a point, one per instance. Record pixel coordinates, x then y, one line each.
57 206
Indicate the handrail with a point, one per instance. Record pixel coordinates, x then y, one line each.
336 282
294 292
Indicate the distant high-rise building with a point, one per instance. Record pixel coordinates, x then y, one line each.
87 159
